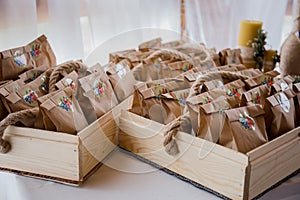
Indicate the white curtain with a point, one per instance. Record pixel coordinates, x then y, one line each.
75 28
216 22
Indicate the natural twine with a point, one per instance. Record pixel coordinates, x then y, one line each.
12 119
170 132
65 67
168 54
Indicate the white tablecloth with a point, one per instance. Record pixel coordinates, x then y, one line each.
123 177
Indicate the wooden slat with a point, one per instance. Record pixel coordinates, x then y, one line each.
41 156
274 166
274 144
213 166
100 138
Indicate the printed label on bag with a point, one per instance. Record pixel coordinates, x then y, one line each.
247 121
187 67
256 98
121 71
159 91
182 96
233 92
70 83
207 99
267 80
19 58
283 85
35 50
98 88
65 103
283 101
30 97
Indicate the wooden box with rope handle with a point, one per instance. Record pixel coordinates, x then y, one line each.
57 156
215 168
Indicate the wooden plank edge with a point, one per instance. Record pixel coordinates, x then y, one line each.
274 144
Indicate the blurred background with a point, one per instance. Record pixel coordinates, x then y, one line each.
76 27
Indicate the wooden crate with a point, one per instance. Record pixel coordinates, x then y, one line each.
219 169
58 156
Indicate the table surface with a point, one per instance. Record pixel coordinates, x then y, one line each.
123 177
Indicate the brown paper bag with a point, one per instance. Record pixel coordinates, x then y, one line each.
296 88
32 74
193 104
256 96
235 88
173 69
211 117
138 105
122 80
244 129
233 56
280 113
210 85
120 55
282 84
68 81
174 103
25 97
65 113
14 62
3 110
151 44
98 89
264 79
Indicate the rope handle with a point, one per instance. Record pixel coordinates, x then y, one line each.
65 67
168 53
170 132
231 76
12 119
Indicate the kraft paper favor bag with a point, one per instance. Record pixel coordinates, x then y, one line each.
194 102
233 56
3 110
120 55
32 74
282 84
244 128
14 62
68 81
174 103
280 113
25 97
232 67
264 79
151 44
98 89
210 85
211 117
65 113
255 96
234 88
122 80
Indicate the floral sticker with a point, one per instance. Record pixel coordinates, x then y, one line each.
187 67
159 92
70 83
45 84
207 99
19 58
182 97
98 88
233 92
283 101
283 85
65 103
35 50
267 80
256 98
247 121
30 97
121 71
